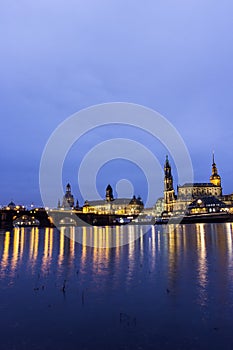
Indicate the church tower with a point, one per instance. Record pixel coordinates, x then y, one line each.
109 194
68 198
215 178
169 193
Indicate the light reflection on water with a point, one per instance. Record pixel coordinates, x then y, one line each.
162 277
202 263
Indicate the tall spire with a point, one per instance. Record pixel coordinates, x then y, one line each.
214 168
213 159
167 168
215 179
169 194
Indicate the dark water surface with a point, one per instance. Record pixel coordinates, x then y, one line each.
172 288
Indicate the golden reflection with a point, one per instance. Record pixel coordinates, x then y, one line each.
106 240
103 239
184 237
84 246
118 240
22 237
229 240
51 242
108 243
46 242
121 235
36 243
117 247
159 240
95 250
153 240
141 241
48 246
172 251
5 255
229 248
175 252
72 242
184 248
32 236
100 253
61 246
153 246
15 249
131 244
96 237
202 263
131 252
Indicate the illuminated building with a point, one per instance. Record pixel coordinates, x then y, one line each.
191 191
215 179
202 196
169 193
205 205
111 205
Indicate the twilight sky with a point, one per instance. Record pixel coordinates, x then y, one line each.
58 57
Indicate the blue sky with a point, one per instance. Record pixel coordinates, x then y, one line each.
58 57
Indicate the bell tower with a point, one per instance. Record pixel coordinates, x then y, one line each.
109 194
215 178
169 193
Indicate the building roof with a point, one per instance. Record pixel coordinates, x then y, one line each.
197 184
207 201
117 201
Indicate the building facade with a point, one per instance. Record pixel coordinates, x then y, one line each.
110 205
190 192
207 205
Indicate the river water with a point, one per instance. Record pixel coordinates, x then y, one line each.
171 288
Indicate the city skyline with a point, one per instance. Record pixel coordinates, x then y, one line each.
175 58
116 191
126 194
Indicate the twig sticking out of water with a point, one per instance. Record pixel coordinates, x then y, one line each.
64 286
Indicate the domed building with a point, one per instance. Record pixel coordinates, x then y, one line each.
111 205
11 205
68 198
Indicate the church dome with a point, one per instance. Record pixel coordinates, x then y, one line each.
11 204
68 198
